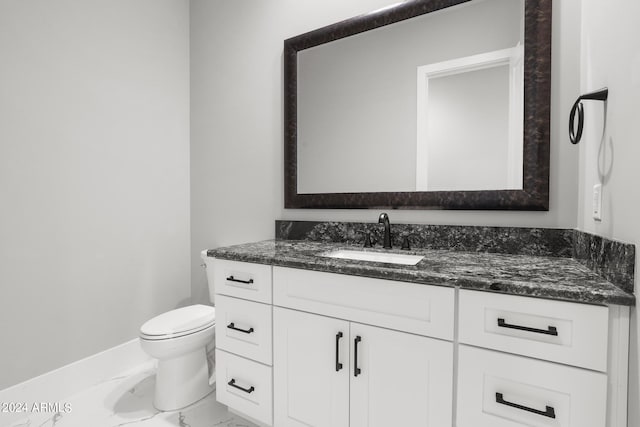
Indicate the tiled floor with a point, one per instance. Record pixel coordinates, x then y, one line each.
126 401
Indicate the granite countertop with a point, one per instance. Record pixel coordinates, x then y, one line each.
534 276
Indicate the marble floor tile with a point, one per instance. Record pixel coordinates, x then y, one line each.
126 400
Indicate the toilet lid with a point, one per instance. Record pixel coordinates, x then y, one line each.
180 320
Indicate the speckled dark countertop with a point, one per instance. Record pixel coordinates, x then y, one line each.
534 276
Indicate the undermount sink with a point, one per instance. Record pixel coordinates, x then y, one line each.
390 257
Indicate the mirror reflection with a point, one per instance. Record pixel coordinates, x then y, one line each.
417 105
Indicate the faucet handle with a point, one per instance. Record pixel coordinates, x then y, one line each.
367 240
405 243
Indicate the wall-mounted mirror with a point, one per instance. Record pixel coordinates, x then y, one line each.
426 104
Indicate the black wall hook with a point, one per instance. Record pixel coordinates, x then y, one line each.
599 95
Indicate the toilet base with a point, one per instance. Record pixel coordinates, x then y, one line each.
182 380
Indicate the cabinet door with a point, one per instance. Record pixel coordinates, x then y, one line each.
310 389
399 379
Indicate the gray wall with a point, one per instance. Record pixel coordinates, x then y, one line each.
610 56
94 175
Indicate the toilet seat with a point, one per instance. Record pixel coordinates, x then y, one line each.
179 322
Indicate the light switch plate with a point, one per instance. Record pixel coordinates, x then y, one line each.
597 202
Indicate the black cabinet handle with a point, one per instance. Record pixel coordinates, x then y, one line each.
338 364
233 326
551 330
246 282
232 383
356 371
548 412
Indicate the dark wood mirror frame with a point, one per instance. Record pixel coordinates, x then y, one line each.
537 89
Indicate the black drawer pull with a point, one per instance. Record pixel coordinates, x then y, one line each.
356 371
246 282
232 383
548 412
233 326
551 330
338 364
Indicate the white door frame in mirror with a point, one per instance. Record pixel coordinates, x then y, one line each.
514 58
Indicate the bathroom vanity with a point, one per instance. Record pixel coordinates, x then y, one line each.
459 339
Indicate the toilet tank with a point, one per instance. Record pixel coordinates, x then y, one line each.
208 265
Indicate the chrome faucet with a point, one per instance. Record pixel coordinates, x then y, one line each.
384 219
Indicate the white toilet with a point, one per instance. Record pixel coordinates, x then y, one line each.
179 340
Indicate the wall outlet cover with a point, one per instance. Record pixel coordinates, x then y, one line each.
597 202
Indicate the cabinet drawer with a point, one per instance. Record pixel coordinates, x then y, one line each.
244 386
419 309
503 390
242 280
244 328
575 334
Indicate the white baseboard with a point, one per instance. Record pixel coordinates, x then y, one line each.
64 382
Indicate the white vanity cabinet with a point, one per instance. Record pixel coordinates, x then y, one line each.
311 359
404 379
244 380
330 372
306 348
502 390
533 362
338 371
